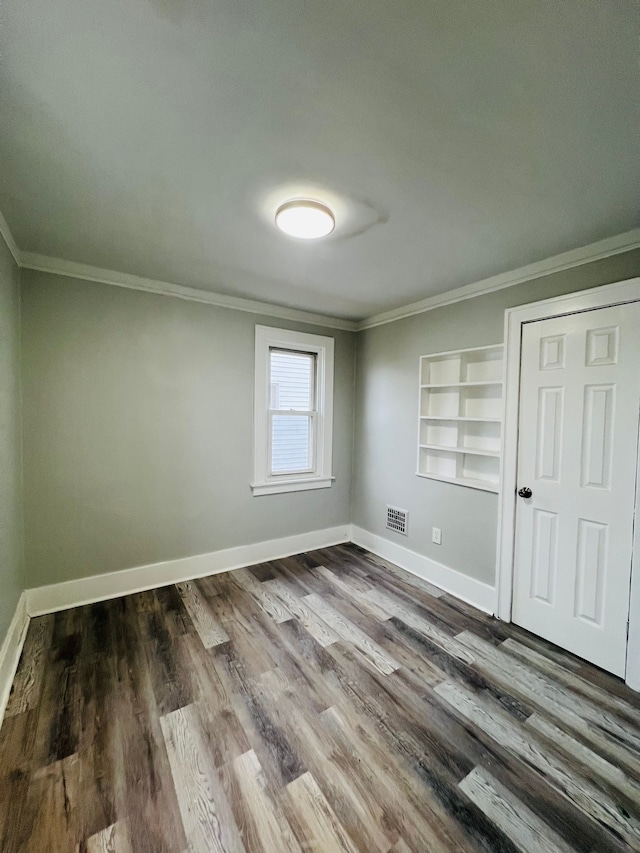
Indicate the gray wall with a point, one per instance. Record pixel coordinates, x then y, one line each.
387 412
138 431
11 538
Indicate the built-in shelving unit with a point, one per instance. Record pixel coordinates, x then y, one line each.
460 417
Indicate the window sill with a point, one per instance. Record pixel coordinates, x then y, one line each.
299 484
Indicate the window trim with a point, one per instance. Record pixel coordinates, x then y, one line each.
268 338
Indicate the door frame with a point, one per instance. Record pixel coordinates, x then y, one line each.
515 318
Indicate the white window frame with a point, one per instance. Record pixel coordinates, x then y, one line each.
320 477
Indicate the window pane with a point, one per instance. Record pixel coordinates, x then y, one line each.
291 380
290 443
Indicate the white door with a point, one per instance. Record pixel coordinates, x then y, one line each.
577 453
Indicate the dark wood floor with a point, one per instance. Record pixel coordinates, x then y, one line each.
326 702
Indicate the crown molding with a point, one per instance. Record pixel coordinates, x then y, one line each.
43 263
8 239
567 260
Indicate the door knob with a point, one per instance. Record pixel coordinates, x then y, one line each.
525 492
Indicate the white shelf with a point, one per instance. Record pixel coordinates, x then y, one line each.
473 451
460 417
473 350
461 384
484 485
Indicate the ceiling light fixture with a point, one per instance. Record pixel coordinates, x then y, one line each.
305 218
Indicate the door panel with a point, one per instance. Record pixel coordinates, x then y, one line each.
544 557
550 417
577 451
597 436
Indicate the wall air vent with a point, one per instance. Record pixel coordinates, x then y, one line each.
397 519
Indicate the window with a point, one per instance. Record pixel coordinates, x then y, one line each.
293 411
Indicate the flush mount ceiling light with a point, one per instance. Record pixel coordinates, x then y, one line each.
305 218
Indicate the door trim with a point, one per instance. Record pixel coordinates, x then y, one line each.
515 318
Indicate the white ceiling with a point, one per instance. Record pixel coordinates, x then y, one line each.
456 139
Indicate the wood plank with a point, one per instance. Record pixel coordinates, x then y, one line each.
170 681
523 827
266 828
413 661
445 664
348 582
401 846
99 747
170 603
352 634
593 725
53 807
209 629
344 588
17 737
310 620
439 752
264 571
239 613
383 568
403 612
337 770
296 571
113 839
591 761
549 692
64 804
315 819
208 586
271 605
27 684
299 657
406 809
206 815
352 610
590 799
570 679
58 721
143 786
226 737
274 749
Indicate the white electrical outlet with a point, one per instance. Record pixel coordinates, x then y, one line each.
436 535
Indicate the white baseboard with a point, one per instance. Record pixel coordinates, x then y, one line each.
10 651
74 593
479 594
60 596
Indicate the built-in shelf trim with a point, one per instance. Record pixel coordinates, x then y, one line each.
483 485
471 451
459 418
462 384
